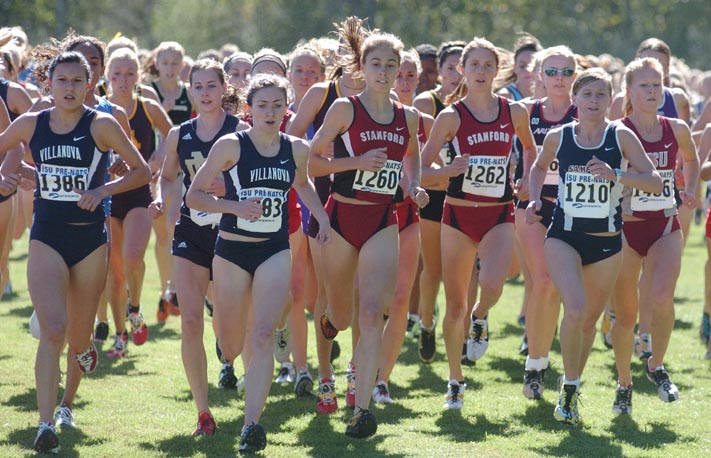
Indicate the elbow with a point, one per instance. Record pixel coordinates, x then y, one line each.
190 198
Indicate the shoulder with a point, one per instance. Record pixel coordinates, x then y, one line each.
298 145
411 114
41 104
678 126
517 108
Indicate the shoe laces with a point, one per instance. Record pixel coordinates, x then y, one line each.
119 343
284 371
478 329
571 397
86 358
326 391
383 390
136 319
661 378
454 391
532 376
624 397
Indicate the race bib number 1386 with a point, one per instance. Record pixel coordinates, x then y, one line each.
57 182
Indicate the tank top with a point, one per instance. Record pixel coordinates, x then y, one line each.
363 135
4 87
667 107
663 154
489 147
269 178
192 153
183 109
586 204
540 127
143 137
515 93
323 183
64 162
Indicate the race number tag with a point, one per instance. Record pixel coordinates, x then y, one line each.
273 201
486 176
202 218
644 201
446 155
57 182
384 181
586 196
552 175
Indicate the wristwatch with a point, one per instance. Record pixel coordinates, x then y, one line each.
618 175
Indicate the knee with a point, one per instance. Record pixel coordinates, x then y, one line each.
575 314
624 318
489 287
262 336
455 313
53 333
192 323
369 318
133 259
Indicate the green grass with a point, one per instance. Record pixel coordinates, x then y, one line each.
140 406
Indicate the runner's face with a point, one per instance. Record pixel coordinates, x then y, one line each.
69 85
239 73
268 107
558 85
206 90
480 68
124 75
592 100
645 91
406 80
449 73
660 56
91 54
305 72
169 65
380 68
523 70
428 77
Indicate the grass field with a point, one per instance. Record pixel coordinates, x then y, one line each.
140 406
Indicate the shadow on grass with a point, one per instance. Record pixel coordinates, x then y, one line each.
511 366
25 311
452 424
69 439
18 257
160 331
655 435
681 324
224 443
577 441
7 297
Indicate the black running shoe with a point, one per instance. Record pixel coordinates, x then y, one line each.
101 331
362 425
46 440
335 351
253 439
227 379
466 361
533 383
426 347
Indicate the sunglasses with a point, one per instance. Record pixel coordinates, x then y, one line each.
566 72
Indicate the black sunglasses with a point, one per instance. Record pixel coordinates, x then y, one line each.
566 72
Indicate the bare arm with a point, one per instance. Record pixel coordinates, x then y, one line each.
308 108
522 124
305 188
690 159
645 176
168 173
537 174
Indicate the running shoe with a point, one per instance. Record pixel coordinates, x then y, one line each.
478 340
643 346
162 313
521 320
623 400
304 383
566 411
454 399
64 417
88 360
118 349
101 331
172 305
533 384
705 329
464 360
46 440
413 326
227 379
253 438
329 330
205 425
608 321
362 425
282 349
335 351
327 402
666 390
286 374
523 349
381 394
351 386
139 330
426 348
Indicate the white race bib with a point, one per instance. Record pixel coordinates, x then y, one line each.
552 175
273 200
644 201
384 181
586 196
57 182
486 176
446 155
202 218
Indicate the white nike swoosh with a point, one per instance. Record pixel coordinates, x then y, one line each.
284 161
667 146
503 126
606 250
76 139
399 128
610 148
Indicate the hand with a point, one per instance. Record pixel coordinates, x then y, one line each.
373 160
521 189
27 172
250 209
600 169
532 210
155 209
90 199
118 167
28 184
688 199
9 184
324 232
459 165
419 195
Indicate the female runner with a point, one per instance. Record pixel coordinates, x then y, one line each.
375 138
130 222
187 148
252 256
67 259
653 243
312 112
558 70
478 211
583 243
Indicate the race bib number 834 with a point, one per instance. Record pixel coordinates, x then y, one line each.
273 201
